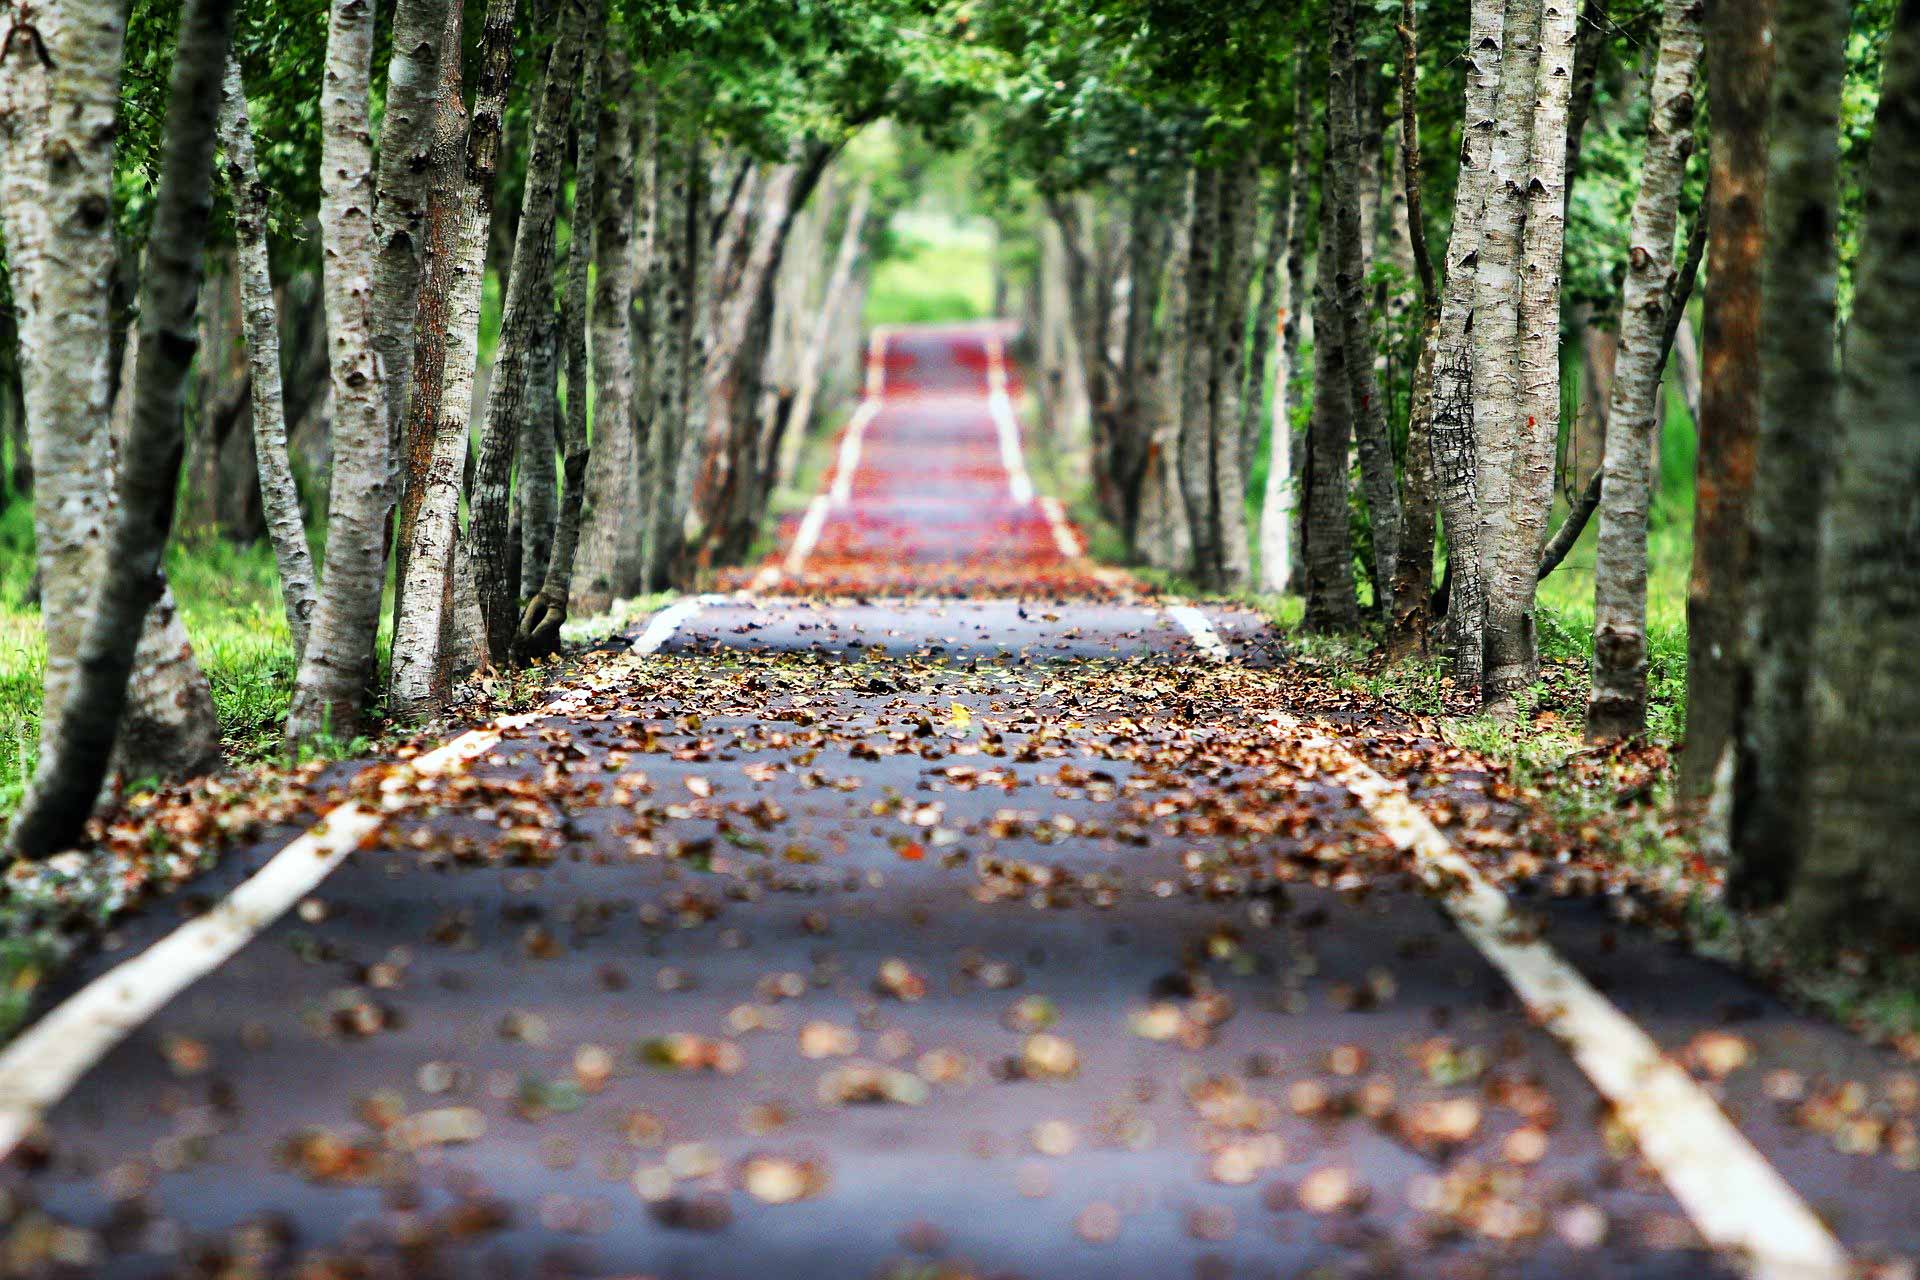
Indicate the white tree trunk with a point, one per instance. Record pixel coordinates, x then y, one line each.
1512 654
608 565
1496 311
337 667
60 250
286 527
1453 449
1618 703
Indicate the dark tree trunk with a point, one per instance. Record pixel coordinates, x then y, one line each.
529 297
1739 70
1332 604
540 623
1409 618
1799 421
1859 882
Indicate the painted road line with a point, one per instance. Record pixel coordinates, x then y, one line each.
663 624
38 1069
877 365
48 1059
848 460
808 536
1738 1202
1063 536
1006 426
1195 624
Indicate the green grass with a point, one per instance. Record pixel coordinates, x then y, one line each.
939 271
229 598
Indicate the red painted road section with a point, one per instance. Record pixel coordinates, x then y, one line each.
931 508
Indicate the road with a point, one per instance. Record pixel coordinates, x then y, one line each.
938 905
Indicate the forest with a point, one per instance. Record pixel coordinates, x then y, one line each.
1540 376
1445 253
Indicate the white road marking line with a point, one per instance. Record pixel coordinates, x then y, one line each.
38 1069
1195 624
807 537
1063 535
664 623
1737 1200
1005 424
877 365
49 1058
848 460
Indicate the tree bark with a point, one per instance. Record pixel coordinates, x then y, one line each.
1351 235
1739 54
534 489
1513 659
1409 618
76 743
529 298
1332 604
431 593
609 565
1239 192
1617 705
330 691
1270 301
1601 371
1278 502
1499 415
435 442
1164 537
1799 421
60 84
546 613
286 526
1454 452
408 137
1196 380
1856 883
677 223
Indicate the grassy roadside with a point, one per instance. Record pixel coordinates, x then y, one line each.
1618 802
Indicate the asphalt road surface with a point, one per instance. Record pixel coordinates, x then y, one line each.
943 906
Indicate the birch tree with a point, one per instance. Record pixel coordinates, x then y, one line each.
336 669
61 83
1196 379
1352 233
1454 455
1332 604
431 591
1277 501
1239 193
1498 409
1618 702
677 222
77 742
1513 661
609 558
1407 622
286 527
407 140
529 295
540 623
813 356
